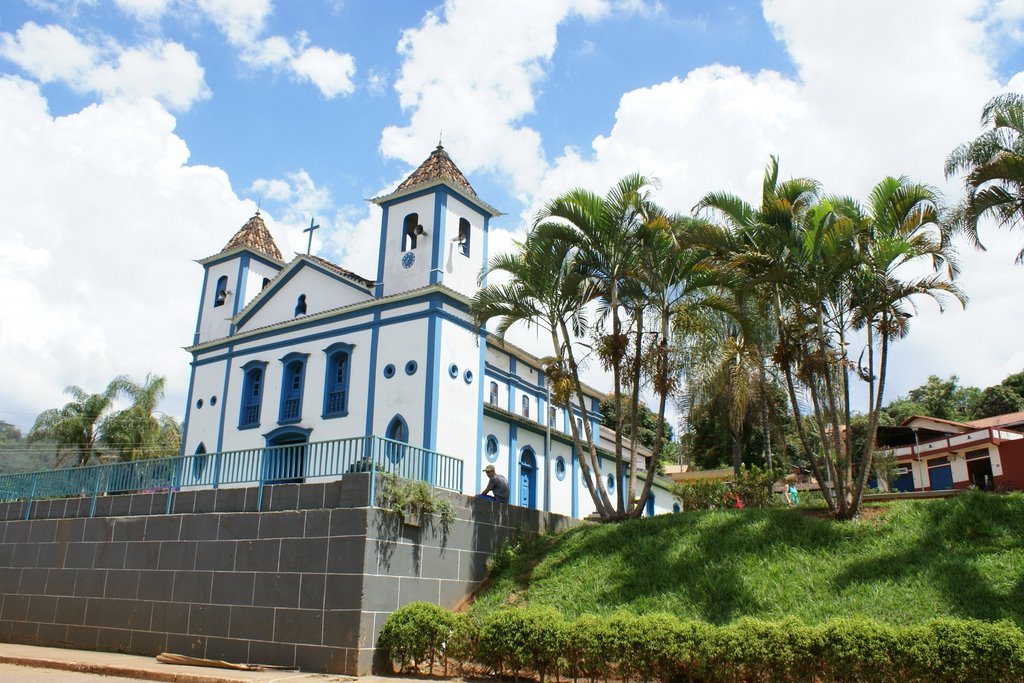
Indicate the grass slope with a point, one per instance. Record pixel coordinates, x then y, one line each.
960 557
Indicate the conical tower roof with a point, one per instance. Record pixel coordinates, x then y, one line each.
254 234
438 166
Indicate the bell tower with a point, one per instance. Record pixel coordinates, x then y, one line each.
231 278
433 230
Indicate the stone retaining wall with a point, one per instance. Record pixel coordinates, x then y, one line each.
308 582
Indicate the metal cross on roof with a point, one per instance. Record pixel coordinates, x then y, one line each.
310 230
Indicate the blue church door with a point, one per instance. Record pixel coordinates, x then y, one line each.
285 461
528 479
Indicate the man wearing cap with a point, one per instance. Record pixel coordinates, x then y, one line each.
497 486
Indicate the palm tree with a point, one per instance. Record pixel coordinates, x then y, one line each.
543 288
903 228
993 164
76 428
603 234
136 432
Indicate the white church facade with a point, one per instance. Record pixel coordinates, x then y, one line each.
305 352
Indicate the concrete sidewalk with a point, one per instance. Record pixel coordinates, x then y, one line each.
148 669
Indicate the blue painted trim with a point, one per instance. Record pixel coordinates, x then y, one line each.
199 316
513 364
372 381
287 430
419 315
438 236
247 389
431 389
224 404
513 450
287 360
575 482
378 291
470 202
484 254
302 323
482 346
406 197
188 406
334 352
296 267
240 278
519 382
251 254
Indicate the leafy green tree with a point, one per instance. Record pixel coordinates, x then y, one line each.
998 400
945 399
1015 382
993 168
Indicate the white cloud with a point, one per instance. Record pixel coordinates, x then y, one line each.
162 70
241 21
102 219
328 70
143 10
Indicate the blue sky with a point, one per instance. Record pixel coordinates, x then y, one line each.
139 134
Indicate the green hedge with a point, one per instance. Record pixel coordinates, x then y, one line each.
538 641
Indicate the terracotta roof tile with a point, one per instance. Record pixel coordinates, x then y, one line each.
437 166
340 271
254 234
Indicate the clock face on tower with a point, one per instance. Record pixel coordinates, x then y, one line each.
408 259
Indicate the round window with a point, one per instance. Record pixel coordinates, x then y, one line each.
491 449
560 468
468 376
199 404
453 370
611 483
213 400
389 370
410 367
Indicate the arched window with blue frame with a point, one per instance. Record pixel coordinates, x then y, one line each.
199 462
398 431
221 293
254 374
292 382
339 361
300 305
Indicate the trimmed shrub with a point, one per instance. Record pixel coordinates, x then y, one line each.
525 638
646 647
416 633
588 648
755 650
660 647
864 650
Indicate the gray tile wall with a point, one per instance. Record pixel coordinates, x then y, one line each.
306 582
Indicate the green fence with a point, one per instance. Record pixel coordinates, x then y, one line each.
294 463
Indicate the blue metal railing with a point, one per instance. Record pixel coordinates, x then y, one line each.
291 463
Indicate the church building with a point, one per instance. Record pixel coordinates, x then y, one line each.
304 352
